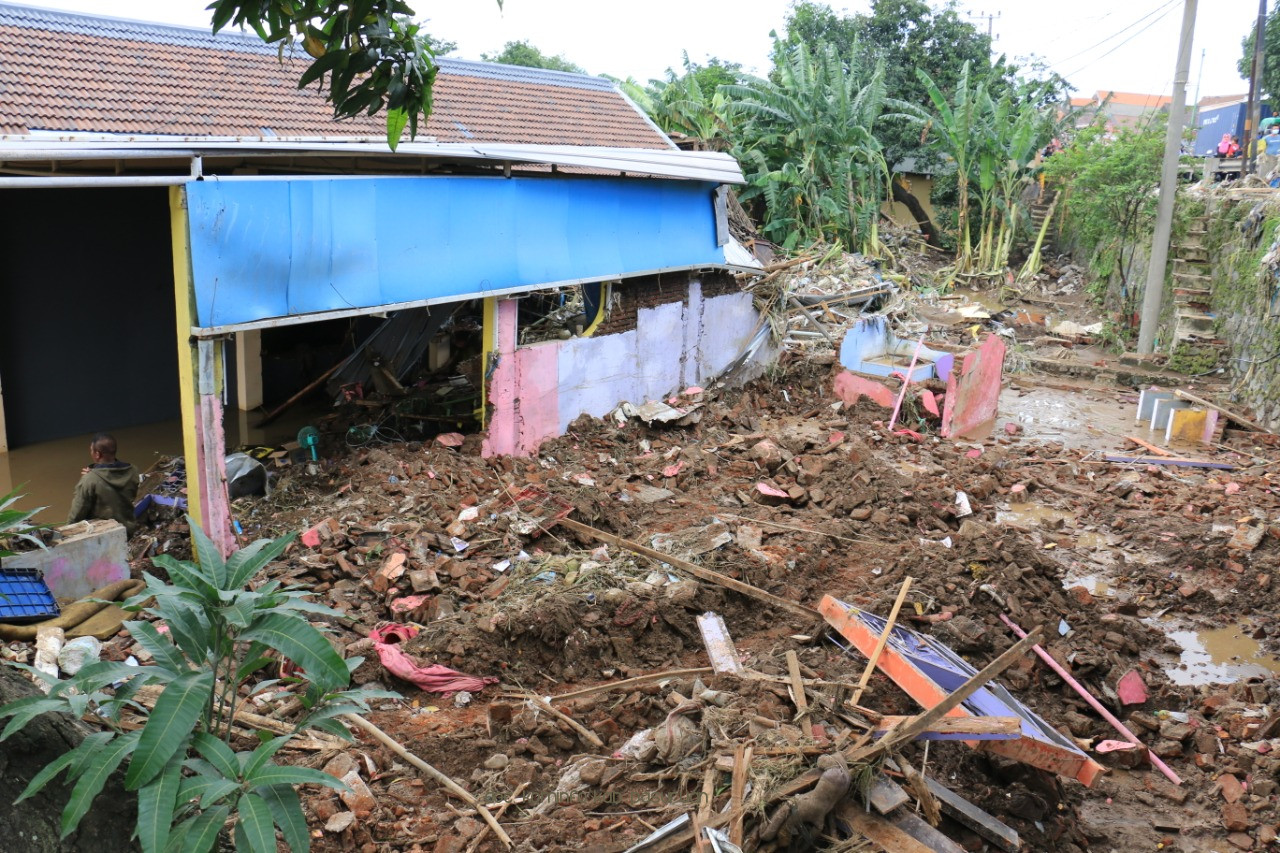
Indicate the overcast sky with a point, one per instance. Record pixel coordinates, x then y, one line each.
1096 44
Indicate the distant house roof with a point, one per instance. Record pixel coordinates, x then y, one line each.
1222 100
1082 102
68 72
1134 99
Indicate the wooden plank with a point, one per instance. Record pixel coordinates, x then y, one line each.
921 831
1148 446
738 790
693 569
960 728
1175 461
879 831
998 833
797 684
1235 416
720 648
884 638
885 795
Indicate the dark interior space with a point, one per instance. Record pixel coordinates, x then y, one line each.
86 311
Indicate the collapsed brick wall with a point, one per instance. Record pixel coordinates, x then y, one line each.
650 291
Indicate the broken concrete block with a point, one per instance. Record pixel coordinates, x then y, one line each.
88 556
1230 788
359 799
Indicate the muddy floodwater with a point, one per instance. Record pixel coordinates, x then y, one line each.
1218 655
47 472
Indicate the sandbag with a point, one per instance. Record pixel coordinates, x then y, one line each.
78 619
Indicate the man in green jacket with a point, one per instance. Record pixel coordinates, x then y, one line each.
107 488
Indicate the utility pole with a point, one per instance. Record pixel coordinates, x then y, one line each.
991 19
1254 111
1195 101
1154 294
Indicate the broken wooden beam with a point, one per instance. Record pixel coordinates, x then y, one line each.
921 831
959 728
628 683
879 831
992 829
692 568
797 684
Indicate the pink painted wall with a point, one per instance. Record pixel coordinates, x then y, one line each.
524 391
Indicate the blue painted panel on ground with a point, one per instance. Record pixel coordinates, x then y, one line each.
279 247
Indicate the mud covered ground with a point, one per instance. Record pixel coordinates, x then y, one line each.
1108 558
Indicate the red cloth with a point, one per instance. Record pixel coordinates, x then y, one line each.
434 678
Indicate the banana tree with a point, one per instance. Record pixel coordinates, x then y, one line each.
807 138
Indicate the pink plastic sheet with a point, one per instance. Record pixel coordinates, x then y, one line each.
434 678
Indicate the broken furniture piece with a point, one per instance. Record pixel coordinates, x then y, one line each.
929 671
869 347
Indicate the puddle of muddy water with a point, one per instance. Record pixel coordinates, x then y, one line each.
1074 418
1217 655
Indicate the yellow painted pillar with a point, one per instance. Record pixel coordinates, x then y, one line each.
184 302
489 338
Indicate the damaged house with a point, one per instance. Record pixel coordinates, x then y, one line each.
174 204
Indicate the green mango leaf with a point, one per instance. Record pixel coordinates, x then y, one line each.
157 801
396 120
162 650
209 561
254 831
301 643
86 748
201 831
248 561
169 726
218 754
286 811
25 710
99 767
207 789
251 763
274 774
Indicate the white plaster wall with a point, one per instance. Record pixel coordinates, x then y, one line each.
596 374
728 323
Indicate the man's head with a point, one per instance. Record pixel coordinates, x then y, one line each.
102 448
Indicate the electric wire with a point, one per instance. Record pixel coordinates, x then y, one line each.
1164 7
1166 11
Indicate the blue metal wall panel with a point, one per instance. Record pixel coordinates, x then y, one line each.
272 248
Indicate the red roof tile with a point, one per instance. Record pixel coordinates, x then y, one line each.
60 71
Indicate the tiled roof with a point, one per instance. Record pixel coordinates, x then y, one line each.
1134 99
1220 100
68 72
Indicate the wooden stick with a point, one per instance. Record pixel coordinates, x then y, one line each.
313 385
797 685
1146 445
742 755
583 732
1009 726
449 785
692 568
920 723
1230 415
627 683
880 644
1176 461
502 809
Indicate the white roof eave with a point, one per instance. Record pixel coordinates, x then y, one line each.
713 166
